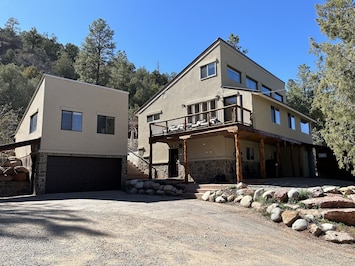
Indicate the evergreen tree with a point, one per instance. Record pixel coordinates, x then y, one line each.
233 40
335 95
96 53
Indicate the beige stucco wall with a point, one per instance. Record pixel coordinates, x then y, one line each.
63 94
262 120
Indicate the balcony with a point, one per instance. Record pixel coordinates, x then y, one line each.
203 121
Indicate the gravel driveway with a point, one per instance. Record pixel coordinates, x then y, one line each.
115 228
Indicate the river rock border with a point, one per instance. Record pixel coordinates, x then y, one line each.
300 209
136 186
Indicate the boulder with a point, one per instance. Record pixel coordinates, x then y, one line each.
160 192
289 217
331 189
346 216
276 214
168 188
258 206
139 185
327 227
269 194
300 225
329 202
246 201
258 194
271 207
281 195
150 191
315 230
293 194
148 184
339 237
220 199
347 190
316 192
212 197
133 190
206 195
230 198
133 182
245 191
238 198
241 185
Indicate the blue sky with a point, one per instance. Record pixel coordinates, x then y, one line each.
170 34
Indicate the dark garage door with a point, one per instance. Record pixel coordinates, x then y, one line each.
73 174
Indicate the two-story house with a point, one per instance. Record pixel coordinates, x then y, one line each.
224 116
77 134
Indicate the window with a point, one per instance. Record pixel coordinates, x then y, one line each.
278 97
105 124
275 115
250 153
201 111
33 122
208 70
72 120
233 74
305 126
251 84
266 90
291 121
152 118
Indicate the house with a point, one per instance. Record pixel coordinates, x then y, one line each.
74 136
224 117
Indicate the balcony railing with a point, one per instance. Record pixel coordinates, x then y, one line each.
231 114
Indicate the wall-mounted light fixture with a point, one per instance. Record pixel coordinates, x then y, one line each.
183 105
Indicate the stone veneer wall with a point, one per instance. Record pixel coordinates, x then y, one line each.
41 169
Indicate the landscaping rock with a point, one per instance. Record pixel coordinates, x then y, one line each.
150 191
133 191
339 237
300 225
331 189
238 198
168 188
329 202
220 199
230 198
269 194
346 216
316 192
309 218
258 206
241 185
206 195
271 207
315 230
246 201
276 214
139 185
133 182
148 184
347 190
245 191
281 195
293 194
160 192
258 194
327 227
289 217
212 197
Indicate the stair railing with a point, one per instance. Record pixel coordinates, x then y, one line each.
144 161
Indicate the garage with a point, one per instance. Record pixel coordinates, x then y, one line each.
75 174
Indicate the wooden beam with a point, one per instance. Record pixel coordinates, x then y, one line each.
238 159
262 159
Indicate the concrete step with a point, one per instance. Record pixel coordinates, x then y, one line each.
134 173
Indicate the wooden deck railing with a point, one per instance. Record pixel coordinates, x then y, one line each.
231 114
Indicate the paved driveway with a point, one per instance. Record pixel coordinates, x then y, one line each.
115 228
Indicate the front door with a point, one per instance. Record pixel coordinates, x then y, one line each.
173 162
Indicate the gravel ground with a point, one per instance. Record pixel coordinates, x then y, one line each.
115 228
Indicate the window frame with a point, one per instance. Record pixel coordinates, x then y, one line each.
107 129
231 73
205 70
291 121
33 122
278 97
248 80
250 155
73 126
266 91
153 117
302 125
275 115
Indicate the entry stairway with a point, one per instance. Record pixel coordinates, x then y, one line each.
134 173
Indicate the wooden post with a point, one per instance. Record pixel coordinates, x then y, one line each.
150 152
300 161
292 162
262 159
238 159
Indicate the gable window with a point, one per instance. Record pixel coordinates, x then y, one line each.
208 70
152 118
71 120
201 111
275 115
233 74
251 84
266 90
250 153
278 97
105 124
291 122
304 126
33 122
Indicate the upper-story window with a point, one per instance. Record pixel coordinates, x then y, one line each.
201 111
278 97
33 122
208 70
153 117
72 120
304 126
233 74
291 121
275 115
266 90
105 124
251 84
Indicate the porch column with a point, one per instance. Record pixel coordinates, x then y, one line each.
300 161
278 160
150 152
292 162
186 158
238 159
262 159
